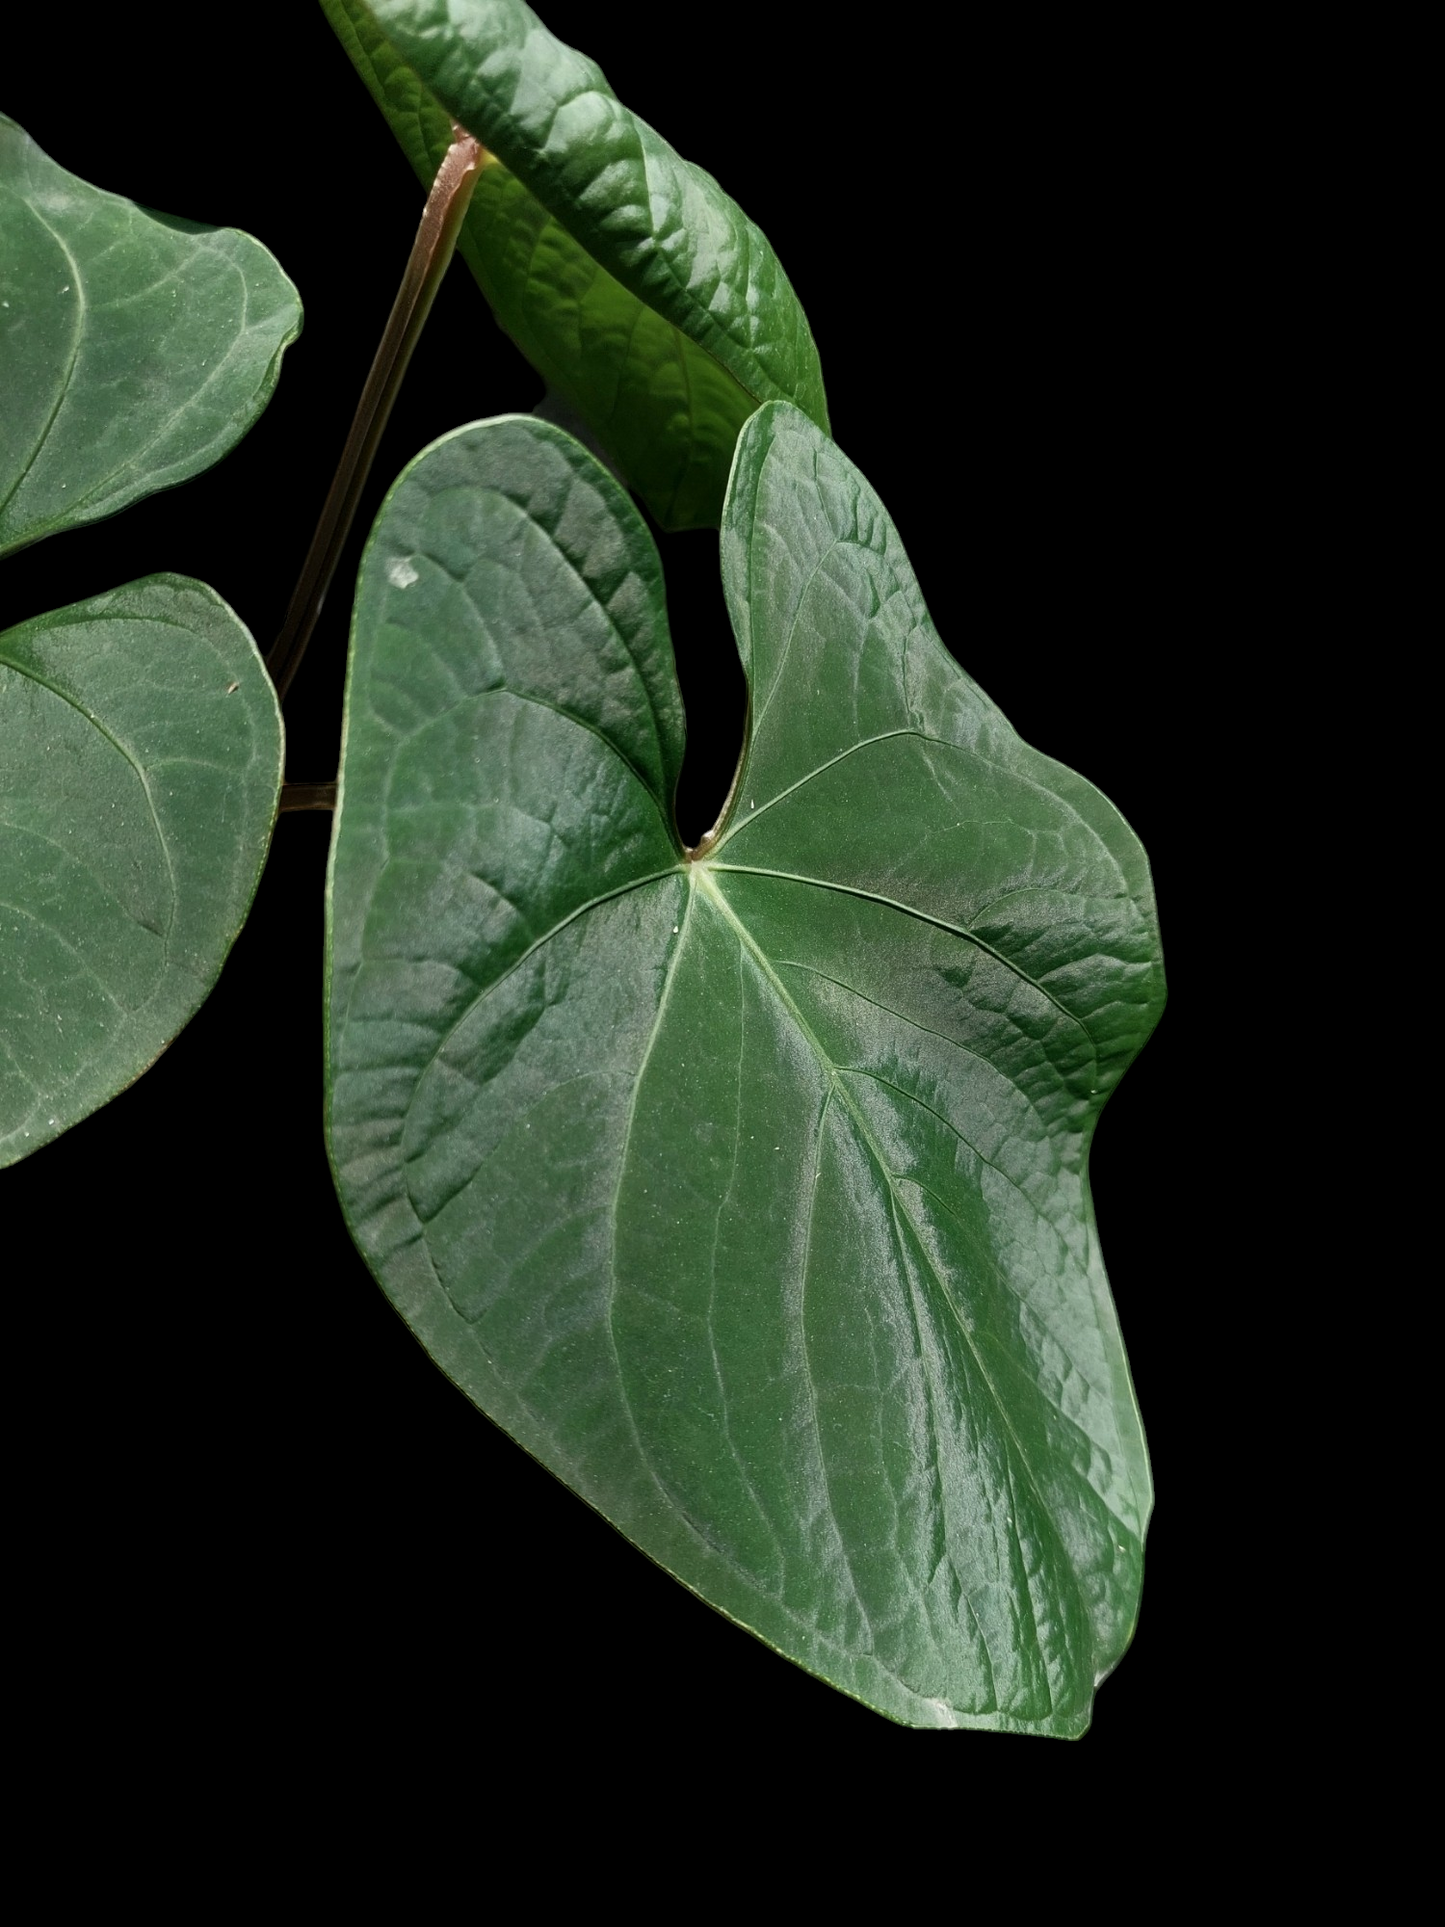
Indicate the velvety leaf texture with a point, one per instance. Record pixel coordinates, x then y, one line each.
134 350
140 765
641 292
746 1187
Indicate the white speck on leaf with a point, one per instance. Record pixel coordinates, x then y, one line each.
400 573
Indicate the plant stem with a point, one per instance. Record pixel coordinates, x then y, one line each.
431 253
307 796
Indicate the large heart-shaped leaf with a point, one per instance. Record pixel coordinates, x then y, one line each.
639 290
747 1186
134 350
140 765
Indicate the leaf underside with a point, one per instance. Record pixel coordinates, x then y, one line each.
134 351
747 1192
643 295
140 765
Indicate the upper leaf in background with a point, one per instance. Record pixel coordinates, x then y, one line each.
135 351
140 766
747 1189
646 298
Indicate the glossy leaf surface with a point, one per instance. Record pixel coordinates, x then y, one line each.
639 290
747 1191
140 765
134 350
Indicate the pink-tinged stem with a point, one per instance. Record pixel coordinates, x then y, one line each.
431 254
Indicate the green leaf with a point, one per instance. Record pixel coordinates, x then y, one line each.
140 766
748 1189
135 351
641 292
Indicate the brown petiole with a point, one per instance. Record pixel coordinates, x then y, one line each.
431 254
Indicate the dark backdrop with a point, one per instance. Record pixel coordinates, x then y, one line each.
249 1494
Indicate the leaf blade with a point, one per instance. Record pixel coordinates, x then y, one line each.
754 1202
139 780
137 350
638 289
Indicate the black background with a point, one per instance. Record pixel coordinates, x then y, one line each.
250 1496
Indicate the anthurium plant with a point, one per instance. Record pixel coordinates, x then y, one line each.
727 1145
